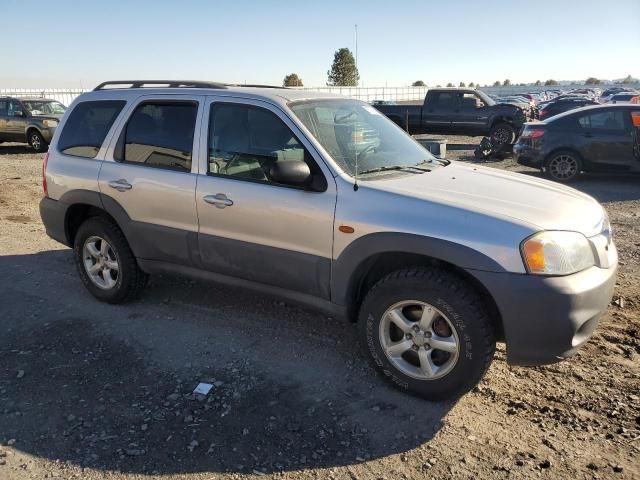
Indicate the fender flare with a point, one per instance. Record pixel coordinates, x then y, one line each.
345 277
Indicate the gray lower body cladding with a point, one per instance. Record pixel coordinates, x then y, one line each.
546 319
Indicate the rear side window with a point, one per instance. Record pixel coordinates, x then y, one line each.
445 101
160 134
609 120
87 126
3 107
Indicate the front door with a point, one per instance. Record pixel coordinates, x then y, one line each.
16 126
252 227
607 138
149 173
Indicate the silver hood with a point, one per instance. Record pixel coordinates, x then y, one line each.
540 204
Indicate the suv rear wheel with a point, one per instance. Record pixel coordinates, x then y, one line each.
428 332
105 262
36 141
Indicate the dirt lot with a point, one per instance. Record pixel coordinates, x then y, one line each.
89 390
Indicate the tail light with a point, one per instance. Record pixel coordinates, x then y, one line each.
532 134
45 190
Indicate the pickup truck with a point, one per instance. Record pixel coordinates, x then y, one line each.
458 111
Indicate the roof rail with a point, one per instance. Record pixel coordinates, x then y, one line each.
157 83
254 85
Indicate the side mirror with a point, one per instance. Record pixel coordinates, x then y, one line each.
18 114
290 172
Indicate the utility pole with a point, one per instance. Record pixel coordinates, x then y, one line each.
356 31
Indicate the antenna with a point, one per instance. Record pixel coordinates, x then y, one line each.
355 144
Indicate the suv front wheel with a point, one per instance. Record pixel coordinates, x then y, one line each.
37 142
105 262
428 332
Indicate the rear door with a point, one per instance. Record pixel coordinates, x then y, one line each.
608 138
252 227
438 111
149 174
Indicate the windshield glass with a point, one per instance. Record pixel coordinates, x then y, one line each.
40 107
486 98
352 131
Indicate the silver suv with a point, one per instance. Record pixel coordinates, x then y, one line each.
323 201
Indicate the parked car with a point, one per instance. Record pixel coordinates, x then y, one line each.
592 139
609 92
29 120
265 188
563 105
624 97
459 111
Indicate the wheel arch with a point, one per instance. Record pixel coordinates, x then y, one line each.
557 150
367 260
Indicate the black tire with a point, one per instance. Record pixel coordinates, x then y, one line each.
130 280
563 166
447 293
502 133
37 142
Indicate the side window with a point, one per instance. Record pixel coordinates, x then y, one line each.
609 120
3 108
87 126
445 101
160 134
14 106
246 141
470 101
635 118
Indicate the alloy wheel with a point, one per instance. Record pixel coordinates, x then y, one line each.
419 340
100 262
563 167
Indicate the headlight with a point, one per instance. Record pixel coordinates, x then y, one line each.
50 123
557 253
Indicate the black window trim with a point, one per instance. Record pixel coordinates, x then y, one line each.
251 180
119 148
104 144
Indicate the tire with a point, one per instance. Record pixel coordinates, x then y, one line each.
502 133
453 304
563 166
37 142
124 279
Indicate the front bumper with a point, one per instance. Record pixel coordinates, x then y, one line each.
47 133
546 319
528 156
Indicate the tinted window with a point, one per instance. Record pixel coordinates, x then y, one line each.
14 106
470 101
3 107
609 120
87 126
445 101
245 142
161 135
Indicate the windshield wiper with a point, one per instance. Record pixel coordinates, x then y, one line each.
387 168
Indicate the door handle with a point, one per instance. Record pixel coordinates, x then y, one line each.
220 200
120 185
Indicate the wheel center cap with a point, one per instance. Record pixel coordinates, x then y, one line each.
419 339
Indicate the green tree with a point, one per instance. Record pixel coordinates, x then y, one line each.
471 85
506 83
292 80
551 82
462 84
629 79
343 72
449 84
496 83
418 83
592 81
438 86
538 83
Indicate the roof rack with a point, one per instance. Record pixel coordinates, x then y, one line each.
156 83
254 85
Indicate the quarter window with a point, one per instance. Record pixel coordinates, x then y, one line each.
609 120
87 127
161 135
245 142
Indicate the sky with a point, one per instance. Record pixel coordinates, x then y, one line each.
77 44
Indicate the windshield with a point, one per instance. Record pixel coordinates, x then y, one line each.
488 101
352 131
40 107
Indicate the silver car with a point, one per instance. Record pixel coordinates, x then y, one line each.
323 201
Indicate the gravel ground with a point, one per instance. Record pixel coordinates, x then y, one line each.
89 390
